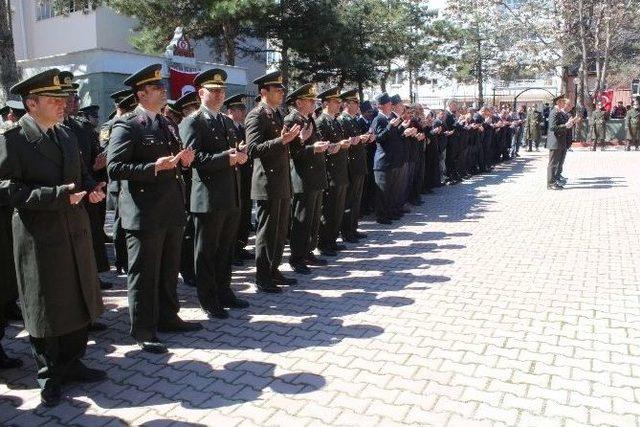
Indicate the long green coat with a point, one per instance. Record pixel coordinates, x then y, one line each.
53 251
532 126
632 123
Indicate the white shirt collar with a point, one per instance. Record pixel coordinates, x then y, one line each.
212 114
151 114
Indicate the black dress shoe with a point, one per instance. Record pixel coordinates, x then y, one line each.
300 268
51 394
120 270
80 373
360 235
327 252
97 327
216 311
236 303
279 279
268 288
350 239
384 221
107 238
311 259
189 282
179 325
7 362
152 346
554 187
105 285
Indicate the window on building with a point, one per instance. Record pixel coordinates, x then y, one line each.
46 9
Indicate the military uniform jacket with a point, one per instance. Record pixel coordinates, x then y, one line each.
632 123
557 136
271 176
53 250
89 143
357 153
387 142
215 184
308 169
337 164
113 186
147 200
532 125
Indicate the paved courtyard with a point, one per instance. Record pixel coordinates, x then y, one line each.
496 303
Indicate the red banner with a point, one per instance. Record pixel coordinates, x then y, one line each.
606 97
181 82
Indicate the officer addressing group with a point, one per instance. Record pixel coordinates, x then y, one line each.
268 142
144 154
215 193
55 266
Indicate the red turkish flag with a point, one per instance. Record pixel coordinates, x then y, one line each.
181 82
606 97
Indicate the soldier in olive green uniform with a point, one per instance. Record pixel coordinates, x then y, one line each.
357 165
337 172
143 155
215 193
55 266
632 122
532 127
308 178
598 125
268 142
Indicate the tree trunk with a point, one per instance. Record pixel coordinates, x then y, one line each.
479 71
9 70
361 91
229 41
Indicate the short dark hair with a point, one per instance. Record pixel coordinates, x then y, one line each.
29 97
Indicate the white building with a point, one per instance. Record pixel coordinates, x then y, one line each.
95 45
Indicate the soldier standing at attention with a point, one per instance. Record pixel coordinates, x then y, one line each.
45 180
337 172
532 126
237 112
632 122
308 179
357 157
215 193
598 125
144 154
268 144
559 126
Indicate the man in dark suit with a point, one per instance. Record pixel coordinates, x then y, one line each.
388 139
308 179
559 126
357 158
268 144
144 154
215 193
46 182
367 114
337 171
237 112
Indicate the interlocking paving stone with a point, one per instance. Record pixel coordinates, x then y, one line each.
496 303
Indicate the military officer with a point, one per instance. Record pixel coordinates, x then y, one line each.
185 105
559 125
124 103
598 125
357 162
144 154
55 266
632 122
337 171
532 127
308 179
90 112
268 144
95 161
237 111
11 113
215 193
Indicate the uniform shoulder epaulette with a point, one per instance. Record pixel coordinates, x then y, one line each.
8 127
127 116
82 120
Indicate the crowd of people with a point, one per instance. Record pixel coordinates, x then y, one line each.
182 179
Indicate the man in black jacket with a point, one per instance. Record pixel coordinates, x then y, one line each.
144 154
215 193
268 142
559 126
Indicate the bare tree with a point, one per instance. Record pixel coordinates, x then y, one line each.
9 70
